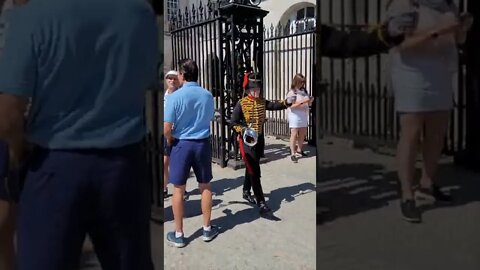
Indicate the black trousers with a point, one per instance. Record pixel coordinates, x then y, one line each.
251 157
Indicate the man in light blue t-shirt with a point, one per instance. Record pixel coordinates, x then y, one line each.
188 114
85 65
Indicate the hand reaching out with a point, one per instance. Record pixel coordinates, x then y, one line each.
466 21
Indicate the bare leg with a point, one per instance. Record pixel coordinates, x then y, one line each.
436 124
7 235
206 192
166 171
177 206
411 127
293 139
302 133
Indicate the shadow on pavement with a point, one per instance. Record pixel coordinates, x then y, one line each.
230 220
275 152
349 189
191 208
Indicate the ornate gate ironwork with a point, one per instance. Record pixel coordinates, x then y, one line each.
224 39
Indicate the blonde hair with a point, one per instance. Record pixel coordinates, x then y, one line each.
298 80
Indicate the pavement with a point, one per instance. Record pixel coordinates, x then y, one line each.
284 240
363 230
246 241
358 223
89 260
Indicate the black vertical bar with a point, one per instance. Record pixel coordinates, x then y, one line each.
356 112
318 58
314 66
332 92
341 93
365 94
378 89
223 157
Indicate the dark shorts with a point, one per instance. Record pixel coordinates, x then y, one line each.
69 194
187 154
167 149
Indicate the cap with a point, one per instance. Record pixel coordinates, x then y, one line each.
254 81
171 73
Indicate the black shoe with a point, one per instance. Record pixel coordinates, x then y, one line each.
264 208
303 154
294 158
410 212
432 194
249 197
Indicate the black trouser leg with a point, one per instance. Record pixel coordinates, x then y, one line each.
247 183
253 173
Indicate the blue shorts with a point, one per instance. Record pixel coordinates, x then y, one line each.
167 149
187 154
71 193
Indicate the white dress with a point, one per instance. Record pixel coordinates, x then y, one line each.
422 78
298 117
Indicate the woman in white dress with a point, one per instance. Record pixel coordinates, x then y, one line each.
298 115
423 69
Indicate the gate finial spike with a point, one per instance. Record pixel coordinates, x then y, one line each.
180 19
200 10
279 29
210 8
194 13
187 16
286 27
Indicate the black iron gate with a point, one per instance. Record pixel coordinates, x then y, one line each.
289 49
224 39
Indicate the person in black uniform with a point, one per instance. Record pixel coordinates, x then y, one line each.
250 113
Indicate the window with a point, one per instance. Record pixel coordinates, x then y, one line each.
172 8
303 20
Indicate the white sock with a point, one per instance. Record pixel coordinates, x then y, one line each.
178 234
207 228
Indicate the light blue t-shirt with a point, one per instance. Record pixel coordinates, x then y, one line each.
85 65
190 109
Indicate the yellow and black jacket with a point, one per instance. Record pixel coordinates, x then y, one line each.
252 111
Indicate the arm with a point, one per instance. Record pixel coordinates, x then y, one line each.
466 21
400 10
413 40
17 83
169 119
237 121
301 104
276 105
340 44
12 110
